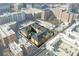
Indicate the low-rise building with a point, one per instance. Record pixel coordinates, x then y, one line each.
7 34
15 49
11 17
60 46
26 46
37 13
5 7
73 33
46 24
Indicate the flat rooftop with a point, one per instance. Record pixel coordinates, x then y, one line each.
76 29
2 34
13 13
73 30
7 30
46 24
61 46
15 48
26 24
32 10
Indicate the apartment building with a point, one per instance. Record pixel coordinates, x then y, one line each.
63 15
17 6
60 46
7 35
11 17
37 13
5 8
73 33
15 49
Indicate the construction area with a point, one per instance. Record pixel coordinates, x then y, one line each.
51 30
36 33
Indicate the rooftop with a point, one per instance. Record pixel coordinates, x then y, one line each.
32 10
61 46
37 26
7 30
9 14
15 48
26 24
46 24
2 34
73 30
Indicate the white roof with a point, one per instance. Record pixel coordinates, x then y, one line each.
11 23
23 40
64 38
32 10
7 30
73 25
27 45
29 10
15 48
65 44
8 14
2 34
27 24
46 24
74 33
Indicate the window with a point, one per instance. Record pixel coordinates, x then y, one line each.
72 37
15 17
